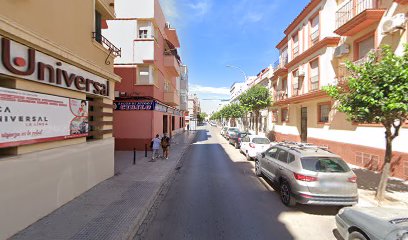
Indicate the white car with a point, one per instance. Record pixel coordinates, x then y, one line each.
251 145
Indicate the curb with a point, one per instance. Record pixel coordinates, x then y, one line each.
142 222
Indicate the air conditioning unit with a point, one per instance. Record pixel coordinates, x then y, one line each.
341 50
116 94
394 23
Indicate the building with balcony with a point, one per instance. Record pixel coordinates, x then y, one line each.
184 88
312 55
57 77
148 98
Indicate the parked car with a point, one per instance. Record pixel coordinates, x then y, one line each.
212 123
251 145
223 131
231 131
308 174
237 138
374 223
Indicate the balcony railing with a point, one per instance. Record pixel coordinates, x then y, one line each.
105 42
351 9
276 65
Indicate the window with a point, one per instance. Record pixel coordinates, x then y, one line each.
295 51
284 56
324 164
314 75
297 83
98 27
364 47
261 141
314 30
285 117
142 33
291 158
272 152
283 156
324 110
144 75
274 116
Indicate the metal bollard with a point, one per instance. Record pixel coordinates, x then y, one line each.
134 156
145 150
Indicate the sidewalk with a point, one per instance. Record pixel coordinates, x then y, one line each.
396 195
115 208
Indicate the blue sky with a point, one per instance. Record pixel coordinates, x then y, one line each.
216 33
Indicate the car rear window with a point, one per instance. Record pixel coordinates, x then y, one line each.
324 164
261 141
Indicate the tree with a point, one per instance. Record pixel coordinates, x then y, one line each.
376 92
201 116
232 111
255 99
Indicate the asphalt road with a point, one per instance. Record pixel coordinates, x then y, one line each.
217 196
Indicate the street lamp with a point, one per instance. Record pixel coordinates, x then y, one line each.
240 69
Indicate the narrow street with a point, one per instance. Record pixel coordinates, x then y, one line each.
217 196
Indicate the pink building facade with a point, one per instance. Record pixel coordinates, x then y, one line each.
148 98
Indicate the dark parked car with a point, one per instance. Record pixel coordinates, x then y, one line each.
236 139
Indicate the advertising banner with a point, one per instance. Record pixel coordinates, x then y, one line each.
28 117
133 106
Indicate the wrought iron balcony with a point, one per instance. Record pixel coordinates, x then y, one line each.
356 15
117 52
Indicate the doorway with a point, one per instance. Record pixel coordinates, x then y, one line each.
165 124
303 124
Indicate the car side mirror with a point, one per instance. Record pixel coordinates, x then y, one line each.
263 155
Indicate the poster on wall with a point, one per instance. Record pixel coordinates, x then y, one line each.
28 117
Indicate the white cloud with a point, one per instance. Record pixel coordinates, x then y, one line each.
194 88
201 7
254 17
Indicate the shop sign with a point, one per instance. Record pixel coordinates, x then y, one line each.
134 106
28 117
20 61
160 108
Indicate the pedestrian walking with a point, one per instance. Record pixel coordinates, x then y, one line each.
165 143
188 127
155 147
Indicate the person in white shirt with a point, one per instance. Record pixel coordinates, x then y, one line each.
156 142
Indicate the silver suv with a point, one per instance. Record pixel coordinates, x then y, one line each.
308 174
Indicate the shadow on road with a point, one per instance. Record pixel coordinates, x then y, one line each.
368 180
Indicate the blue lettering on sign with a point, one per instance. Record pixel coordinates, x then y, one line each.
134 106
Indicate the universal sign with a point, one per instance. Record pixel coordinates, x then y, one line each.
21 61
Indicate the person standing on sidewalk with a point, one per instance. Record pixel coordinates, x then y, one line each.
165 143
155 147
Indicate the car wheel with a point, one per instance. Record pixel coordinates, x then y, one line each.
236 145
286 195
258 171
357 236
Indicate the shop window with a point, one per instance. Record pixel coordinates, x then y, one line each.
314 75
284 115
324 110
